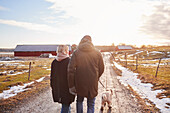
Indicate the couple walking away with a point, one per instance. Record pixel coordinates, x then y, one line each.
76 76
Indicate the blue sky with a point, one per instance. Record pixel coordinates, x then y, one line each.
135 22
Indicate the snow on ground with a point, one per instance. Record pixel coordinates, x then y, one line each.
126 60
18 73
155 52
44 67
165 59
156 64
14 90
17 89
51 56
143 89
138 52
41 79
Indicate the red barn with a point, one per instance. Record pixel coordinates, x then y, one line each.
36 50
123 47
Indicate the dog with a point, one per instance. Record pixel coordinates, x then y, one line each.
107 99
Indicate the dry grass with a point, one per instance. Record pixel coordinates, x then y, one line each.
10 103
37 71
147 68
162 81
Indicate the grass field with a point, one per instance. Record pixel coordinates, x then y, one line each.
147 63
16 73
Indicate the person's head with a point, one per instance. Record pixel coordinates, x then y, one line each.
86 44
62 49
86 38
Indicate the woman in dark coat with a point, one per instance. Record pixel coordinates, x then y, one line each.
58 81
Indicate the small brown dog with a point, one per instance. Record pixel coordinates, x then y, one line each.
107 98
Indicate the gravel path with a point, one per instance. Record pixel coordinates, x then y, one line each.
122 101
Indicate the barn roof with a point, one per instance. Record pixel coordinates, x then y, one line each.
124 47
27 48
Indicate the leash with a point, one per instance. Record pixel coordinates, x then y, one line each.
102 84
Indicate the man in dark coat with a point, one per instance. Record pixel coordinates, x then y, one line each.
84 70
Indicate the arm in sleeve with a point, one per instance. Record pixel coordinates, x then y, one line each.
51 75
71 71
101 65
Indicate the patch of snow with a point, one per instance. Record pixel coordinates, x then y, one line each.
156 64
107 53
44 67
127 60
147 52
148 104
18 73
138 52
144 90
17 89
51 56
130 55
132 95
41 79
156 52
9 64
14 90
158 59
21 65
4 72
165 58
6 59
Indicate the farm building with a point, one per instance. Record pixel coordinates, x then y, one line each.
123 47
36 50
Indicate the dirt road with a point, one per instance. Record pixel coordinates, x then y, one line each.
122 101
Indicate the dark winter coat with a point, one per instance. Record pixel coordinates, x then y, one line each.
59 82
85 68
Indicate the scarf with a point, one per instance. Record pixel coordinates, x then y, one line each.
61 56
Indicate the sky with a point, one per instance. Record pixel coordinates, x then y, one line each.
133 22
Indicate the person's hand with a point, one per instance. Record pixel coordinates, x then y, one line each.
72 90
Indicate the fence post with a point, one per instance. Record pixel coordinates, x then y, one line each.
126 59
29 71
157 68
113 56
136 62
